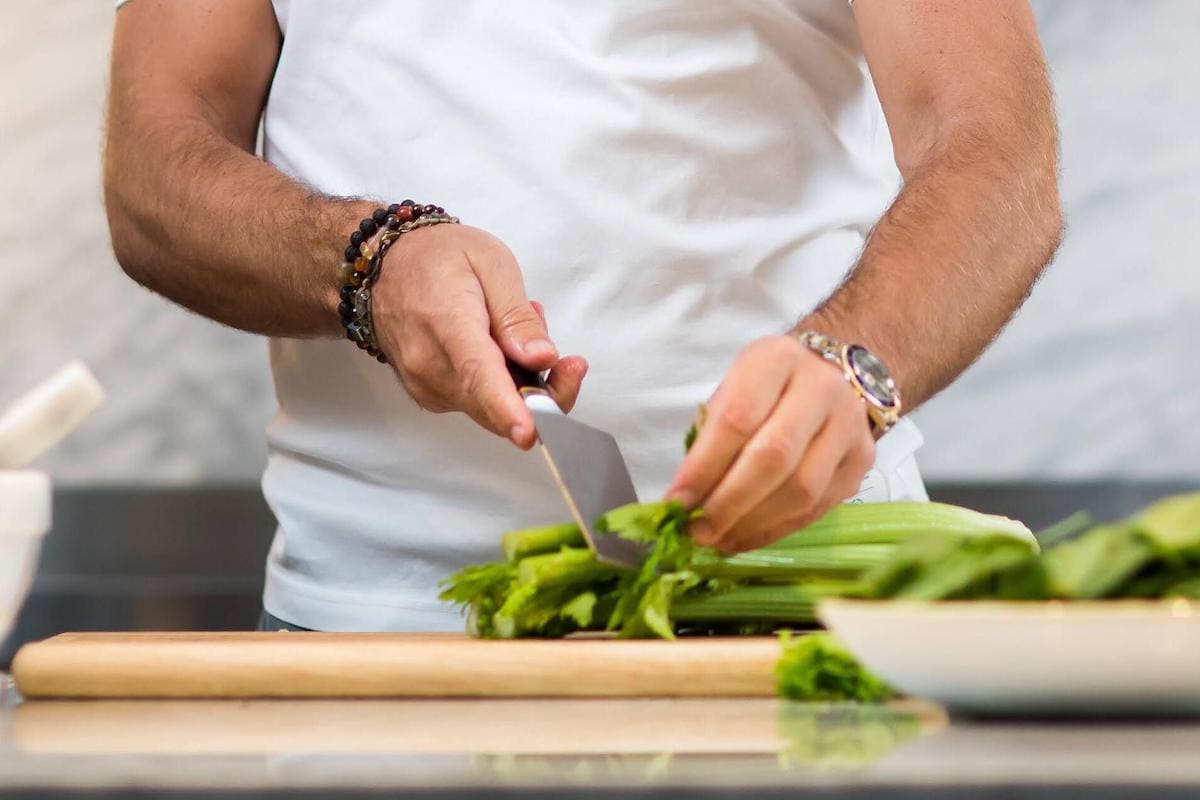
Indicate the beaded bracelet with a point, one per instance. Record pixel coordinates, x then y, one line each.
364 261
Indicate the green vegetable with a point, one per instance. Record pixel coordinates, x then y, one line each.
519 544
1098 563
689 438
1155 553
1185 588
763 603
1064 529
1173 524
856 536
551 585
939 567
817 667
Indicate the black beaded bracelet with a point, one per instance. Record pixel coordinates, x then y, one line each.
364 260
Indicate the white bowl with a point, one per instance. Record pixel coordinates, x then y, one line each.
24 520
1126 657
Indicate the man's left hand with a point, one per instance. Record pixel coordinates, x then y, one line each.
785 439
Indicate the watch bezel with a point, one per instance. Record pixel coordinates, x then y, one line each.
882 415
852 371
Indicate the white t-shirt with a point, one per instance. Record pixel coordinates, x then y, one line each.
676 179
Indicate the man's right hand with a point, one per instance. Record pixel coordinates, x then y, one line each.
188 86
449 306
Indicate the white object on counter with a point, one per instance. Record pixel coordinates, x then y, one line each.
47 413
25 502
1104 657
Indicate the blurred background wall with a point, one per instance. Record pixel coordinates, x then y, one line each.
1094 378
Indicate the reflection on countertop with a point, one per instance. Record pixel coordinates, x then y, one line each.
718 747
835 735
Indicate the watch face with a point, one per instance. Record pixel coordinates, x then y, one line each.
872 375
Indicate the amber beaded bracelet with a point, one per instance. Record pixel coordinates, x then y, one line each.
364 261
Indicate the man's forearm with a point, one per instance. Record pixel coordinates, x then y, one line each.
951 260
204 222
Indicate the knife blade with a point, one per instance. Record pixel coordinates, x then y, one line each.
587 467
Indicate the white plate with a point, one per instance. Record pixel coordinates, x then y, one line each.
1125 657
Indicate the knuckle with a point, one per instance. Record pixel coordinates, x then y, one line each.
413 360
778 351
424 398
717 519
405 368
493 255
714 518
738 418
774 453
493 245
518 316
789 346
471 374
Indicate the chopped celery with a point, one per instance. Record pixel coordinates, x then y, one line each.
533 541
817 667
569 565
551 585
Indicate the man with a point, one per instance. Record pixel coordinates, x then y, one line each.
683 185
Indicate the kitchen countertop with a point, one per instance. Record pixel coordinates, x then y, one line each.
582 748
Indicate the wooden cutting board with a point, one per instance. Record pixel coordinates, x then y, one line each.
288 664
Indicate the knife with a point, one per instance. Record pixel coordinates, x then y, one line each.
587 467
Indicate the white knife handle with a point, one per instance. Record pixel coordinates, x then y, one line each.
540 401
532 387
47 413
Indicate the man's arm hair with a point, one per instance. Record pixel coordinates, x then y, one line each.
964 88
194 214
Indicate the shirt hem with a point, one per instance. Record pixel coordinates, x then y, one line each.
283 599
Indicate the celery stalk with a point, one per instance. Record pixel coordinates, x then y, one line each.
800 562
893 523
782 603
568 566
534 541
550 585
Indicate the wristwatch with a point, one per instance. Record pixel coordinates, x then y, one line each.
865 373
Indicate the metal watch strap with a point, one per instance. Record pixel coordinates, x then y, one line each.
881 418
822 345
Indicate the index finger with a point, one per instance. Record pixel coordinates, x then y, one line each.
486 391
516 324
739 407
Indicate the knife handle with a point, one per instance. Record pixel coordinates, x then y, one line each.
527 381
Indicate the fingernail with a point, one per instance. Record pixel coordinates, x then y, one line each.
517 433
538 347
701 531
